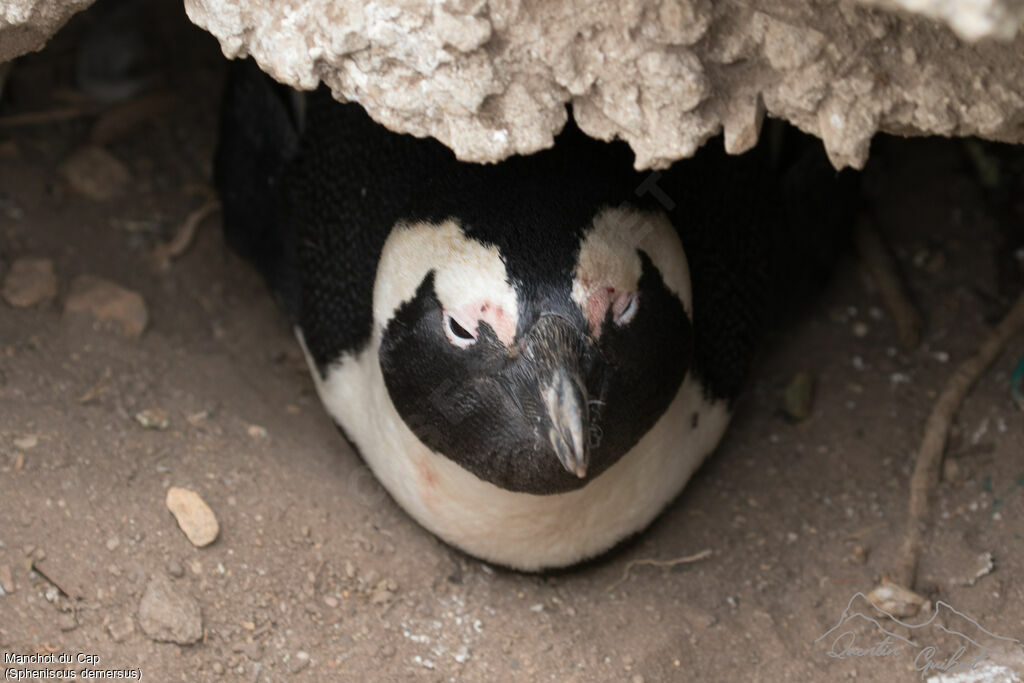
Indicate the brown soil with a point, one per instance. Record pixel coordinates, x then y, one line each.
318 575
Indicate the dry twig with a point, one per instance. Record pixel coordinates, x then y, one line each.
658 563
96 389
928 462
184 236
876 259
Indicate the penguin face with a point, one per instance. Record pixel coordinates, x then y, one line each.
539 386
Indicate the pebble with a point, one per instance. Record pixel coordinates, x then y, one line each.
96 173
113 542
299 662
66 622
26 443
121 629
175 569
218 668
700 619
107 302
381 596
152 418
799 396
250 649
896 600
860 329
169 615
983 566
194 516
29 282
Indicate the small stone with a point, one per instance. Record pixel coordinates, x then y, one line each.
983 566
121 629
169 615
26 443
896 600
250 649
194 516
113 542
6 579
257 432
66 622
218 668
860 329
152 418
331 601
299 662
175 569
798 396
859 555
109 303
96 173
698 618
29 282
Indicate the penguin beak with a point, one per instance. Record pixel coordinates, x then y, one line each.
554 351
565 399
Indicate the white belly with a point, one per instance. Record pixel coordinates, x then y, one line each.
519 530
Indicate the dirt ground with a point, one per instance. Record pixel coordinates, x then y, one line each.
318 575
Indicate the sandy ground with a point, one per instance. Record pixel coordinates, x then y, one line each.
317 574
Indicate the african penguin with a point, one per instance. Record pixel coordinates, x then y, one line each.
533 356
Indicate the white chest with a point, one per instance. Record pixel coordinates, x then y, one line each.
520 530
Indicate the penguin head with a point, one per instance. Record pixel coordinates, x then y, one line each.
535 381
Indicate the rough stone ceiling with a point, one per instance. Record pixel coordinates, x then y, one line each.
490 78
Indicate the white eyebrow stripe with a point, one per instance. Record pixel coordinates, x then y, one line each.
467 272
608 255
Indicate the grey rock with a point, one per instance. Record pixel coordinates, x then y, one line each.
168 613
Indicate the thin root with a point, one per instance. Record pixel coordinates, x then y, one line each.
876 259
928 461
658 563
184 236
97 389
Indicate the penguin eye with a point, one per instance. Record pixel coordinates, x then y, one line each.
624 308
457 333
